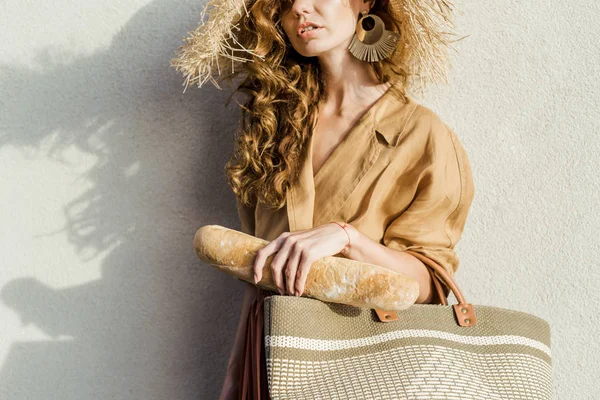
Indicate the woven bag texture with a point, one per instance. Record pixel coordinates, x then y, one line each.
321 350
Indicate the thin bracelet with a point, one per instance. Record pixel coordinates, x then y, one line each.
344 228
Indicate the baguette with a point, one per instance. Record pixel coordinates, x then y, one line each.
331 279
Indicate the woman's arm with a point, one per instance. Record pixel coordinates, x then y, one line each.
434 220
363 248
231 384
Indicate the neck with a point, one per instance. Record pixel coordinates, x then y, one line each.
349 82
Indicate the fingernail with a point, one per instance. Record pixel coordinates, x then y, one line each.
255 278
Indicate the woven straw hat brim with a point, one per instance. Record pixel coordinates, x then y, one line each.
212 48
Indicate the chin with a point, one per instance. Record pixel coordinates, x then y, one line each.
312 49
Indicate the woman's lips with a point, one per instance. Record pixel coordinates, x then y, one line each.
309 33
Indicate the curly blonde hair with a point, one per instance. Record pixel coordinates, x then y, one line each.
285 87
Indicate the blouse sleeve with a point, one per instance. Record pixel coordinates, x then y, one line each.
246 216
433 222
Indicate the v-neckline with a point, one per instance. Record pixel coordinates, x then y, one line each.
317 177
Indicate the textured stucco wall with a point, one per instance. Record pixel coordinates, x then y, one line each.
108 169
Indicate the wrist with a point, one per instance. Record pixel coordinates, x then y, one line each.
354 239
352 235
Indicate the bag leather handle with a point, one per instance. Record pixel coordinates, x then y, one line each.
464 312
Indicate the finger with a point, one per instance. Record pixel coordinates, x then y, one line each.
261 257
278 263
302 274
292 267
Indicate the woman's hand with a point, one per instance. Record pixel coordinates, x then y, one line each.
296 251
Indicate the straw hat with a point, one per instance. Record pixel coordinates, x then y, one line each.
212 48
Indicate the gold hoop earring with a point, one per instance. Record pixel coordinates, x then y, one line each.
371 41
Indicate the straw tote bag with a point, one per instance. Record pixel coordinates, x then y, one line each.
324 350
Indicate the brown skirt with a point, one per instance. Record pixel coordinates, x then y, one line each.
253 373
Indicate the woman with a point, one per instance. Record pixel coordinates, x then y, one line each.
329 135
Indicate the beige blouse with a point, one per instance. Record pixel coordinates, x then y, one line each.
400 176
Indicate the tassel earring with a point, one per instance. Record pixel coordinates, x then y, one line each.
371 41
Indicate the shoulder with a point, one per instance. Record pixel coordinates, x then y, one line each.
424 121
436 140
423 132
400 118
429 142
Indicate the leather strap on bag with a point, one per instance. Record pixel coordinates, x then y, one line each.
464 312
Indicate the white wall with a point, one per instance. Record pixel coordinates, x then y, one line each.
108 169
